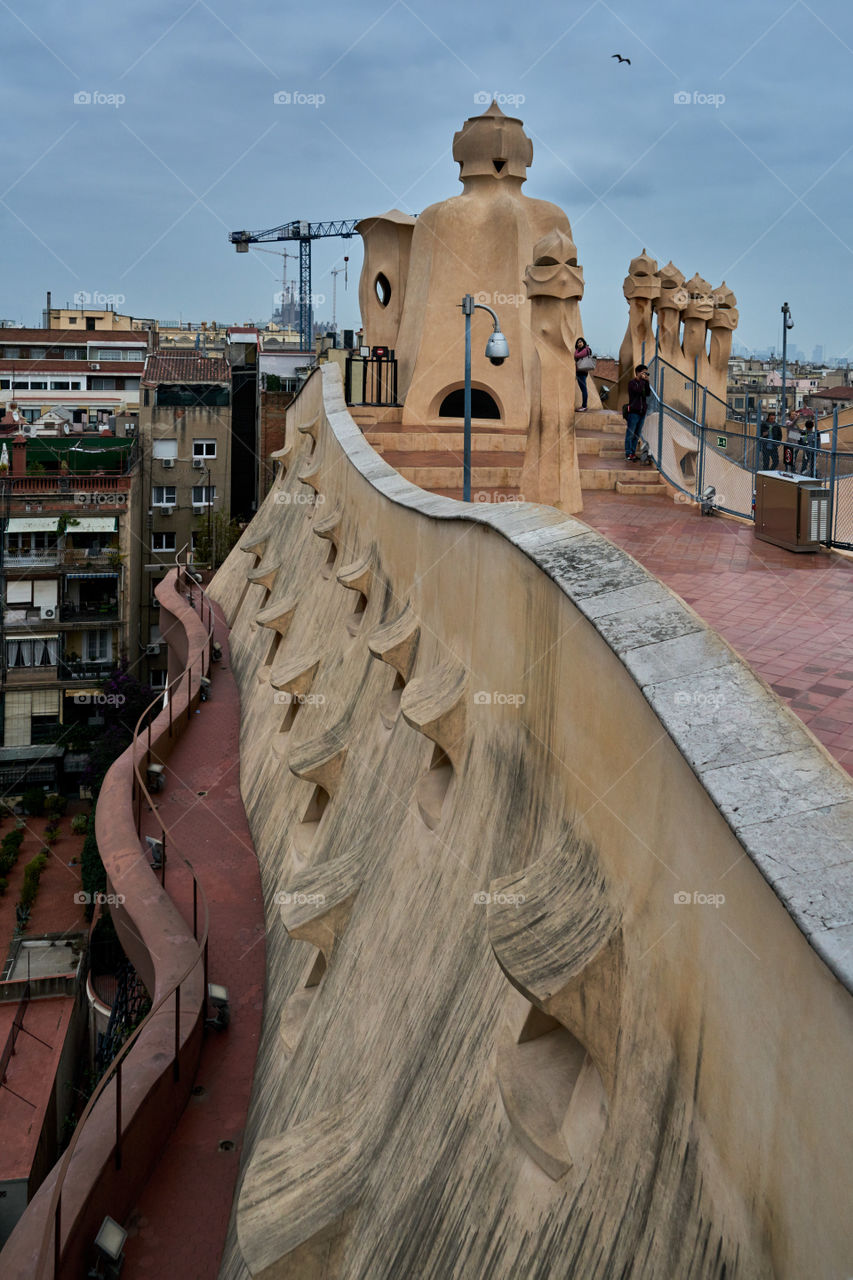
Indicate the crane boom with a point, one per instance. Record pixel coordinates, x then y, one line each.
304 232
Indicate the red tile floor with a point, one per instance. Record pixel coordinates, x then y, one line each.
789 614
179 1224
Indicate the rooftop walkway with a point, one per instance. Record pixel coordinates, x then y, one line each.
179 1223
789 615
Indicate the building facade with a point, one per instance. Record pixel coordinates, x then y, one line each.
89 377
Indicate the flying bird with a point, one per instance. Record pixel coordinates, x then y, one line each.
621 59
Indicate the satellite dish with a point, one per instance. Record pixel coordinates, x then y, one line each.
65 428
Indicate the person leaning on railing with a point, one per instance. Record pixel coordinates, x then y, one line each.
638 398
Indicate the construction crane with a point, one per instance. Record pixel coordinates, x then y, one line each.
304 232
334 273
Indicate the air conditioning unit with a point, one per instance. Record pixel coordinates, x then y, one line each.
168 462
48 613
198 463
92 365
166 511
152 650
198 510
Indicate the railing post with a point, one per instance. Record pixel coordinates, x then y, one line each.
195 908
831 514
176 1066
700 470
204 1001
118 1118
660 421
57 1232
170 712
695 385
189 691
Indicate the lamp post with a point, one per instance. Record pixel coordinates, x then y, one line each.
787 323
497 350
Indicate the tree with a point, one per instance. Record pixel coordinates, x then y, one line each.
224 534
122 700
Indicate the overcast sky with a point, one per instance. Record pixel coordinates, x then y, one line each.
134 197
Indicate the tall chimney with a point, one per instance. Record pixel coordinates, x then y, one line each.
46 319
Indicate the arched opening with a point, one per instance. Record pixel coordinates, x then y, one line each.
383 289
482 404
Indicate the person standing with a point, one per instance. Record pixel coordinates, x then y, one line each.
771 434
638 395
807 466
793 447
584 363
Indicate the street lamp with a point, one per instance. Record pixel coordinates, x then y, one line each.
497 350
787 323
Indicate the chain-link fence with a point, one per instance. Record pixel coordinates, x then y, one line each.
712 459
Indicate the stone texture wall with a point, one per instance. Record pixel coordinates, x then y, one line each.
558 974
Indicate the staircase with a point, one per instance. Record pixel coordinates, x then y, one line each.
600 439
432 459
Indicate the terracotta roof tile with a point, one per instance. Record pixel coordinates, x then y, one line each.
185 366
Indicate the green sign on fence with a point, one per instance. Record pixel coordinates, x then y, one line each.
722 441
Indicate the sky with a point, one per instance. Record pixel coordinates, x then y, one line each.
136 136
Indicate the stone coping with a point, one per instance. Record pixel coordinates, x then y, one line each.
787 801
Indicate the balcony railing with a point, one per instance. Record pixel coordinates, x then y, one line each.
85 670
63 557
31 676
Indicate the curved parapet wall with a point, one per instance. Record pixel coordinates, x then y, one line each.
91 1181
557 896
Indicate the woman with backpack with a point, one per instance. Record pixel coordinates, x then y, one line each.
584 364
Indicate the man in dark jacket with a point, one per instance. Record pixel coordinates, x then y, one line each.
771 435
638 395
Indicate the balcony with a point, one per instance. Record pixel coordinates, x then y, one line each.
90 614
28 677
63 557
92 671
41 558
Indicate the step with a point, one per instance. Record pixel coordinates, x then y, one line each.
608 477
628 486
374 414
601 445
416 441
441 479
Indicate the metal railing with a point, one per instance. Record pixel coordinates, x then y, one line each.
694 456
370 380
45 1269
12 1034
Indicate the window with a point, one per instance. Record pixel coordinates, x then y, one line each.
163 542
154 635
72 319
204 495
38 386
157 678
204 448
76 386
166 448
102 384
164 495
74 353
97 646
13 353
60 386
90 322
5 385
23 386
38 353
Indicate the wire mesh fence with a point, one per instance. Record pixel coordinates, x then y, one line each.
712 459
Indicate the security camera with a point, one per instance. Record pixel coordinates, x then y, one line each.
497 348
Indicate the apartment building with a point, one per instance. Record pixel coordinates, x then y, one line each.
87 377
186 459
67 579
